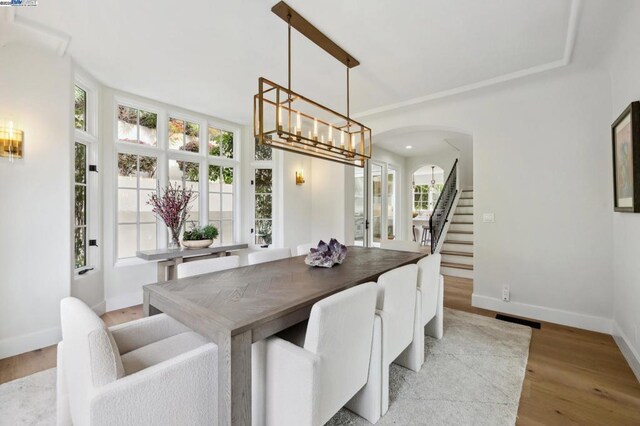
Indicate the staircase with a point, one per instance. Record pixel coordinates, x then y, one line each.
457 250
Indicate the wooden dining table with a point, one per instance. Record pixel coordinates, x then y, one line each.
237 307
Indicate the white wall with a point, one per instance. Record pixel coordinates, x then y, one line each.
35 218
550 239
296 201
623 64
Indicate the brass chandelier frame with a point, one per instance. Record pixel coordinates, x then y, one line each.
289 137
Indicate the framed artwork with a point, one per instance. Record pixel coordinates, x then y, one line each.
625 136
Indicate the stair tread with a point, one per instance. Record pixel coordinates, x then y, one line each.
462 223
463 214
466 198
466 243
456 265
457 253
452 231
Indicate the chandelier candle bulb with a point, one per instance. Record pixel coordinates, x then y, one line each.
341 139
330 138
280 119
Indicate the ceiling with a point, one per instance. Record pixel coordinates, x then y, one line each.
206 55
423 142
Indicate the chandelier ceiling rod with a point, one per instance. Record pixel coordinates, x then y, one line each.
306 28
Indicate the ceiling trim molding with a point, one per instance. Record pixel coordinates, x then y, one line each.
572 29
54 39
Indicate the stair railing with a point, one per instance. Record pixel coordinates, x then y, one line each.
441 211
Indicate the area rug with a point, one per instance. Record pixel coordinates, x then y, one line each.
472 376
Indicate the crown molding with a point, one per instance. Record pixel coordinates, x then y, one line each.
572 29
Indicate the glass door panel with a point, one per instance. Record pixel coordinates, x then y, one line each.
359 209
376 203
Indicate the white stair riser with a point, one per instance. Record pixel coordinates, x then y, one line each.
460 227
466 248
463 209
467 218
459 237
457 259
465 202
454 272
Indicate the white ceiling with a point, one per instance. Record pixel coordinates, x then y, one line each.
206 55
423 142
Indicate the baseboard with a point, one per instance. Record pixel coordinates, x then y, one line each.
632 357
29 342
100 308
124 301
542 313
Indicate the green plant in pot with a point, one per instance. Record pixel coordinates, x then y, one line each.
199 237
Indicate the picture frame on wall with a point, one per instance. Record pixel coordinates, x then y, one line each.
625 138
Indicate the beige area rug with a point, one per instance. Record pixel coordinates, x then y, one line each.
472 376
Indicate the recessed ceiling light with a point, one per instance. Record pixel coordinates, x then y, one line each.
408 147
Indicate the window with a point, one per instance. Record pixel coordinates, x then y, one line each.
80 206
137 126
221 202
263 152
358 213
80 122
426 196
187 175
136 222
263 206
391 203
184 135
220 143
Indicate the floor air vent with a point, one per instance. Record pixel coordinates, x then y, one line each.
507 318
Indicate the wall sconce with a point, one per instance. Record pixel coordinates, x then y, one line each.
11 142
300 177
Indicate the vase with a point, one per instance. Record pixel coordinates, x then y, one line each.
174 238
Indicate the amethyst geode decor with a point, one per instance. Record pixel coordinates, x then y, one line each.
326 255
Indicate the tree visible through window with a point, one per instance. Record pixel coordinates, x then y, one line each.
264 206
80 206
137 126
80 109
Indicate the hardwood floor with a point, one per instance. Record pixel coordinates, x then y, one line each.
42 359
574 377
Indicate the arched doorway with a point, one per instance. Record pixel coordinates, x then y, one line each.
426 184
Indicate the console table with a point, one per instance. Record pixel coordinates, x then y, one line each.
168 259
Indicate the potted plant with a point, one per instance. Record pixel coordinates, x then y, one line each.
199 237
172 206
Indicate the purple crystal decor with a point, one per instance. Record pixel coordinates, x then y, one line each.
326 255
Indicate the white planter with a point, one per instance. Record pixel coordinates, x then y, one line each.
197 244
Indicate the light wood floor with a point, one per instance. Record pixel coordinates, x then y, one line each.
574 377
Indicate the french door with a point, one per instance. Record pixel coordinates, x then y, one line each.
375 213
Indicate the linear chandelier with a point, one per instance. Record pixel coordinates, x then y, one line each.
287 120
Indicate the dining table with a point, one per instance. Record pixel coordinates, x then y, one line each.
237 307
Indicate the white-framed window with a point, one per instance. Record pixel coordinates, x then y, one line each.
80 231
85 183
188 150
262 180
136 223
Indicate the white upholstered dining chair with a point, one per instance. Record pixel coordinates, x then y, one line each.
400 245
150 371
395 309
268 255
430 298
304 248
205 266
306 374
